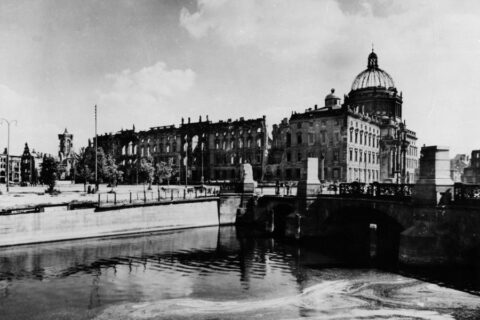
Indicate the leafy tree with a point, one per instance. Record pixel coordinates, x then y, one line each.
111 173
85 164
165 171
82 168
49 172
146 171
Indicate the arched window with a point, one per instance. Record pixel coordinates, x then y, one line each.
240 143
259 142
167 148
249 142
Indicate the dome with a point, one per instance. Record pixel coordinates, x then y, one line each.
373 76
331 95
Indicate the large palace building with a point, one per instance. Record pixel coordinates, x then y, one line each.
364 139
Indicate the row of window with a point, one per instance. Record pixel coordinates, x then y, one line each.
363 156
300 156
224 159
365 138
323 123
363 175
311 138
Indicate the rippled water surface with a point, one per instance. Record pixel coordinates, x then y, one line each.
209 273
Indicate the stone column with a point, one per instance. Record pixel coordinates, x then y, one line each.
309 184
248 184
322 167
434 175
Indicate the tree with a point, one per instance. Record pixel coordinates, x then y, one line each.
111 172
85 164
165 171
49 172
146 171
82 169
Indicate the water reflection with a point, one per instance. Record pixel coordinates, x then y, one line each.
208 273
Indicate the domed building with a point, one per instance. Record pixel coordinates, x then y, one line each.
375 90
364 139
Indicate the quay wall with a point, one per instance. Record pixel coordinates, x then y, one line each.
61 224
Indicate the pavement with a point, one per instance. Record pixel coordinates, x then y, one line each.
29 196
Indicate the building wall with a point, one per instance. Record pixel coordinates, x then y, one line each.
213 151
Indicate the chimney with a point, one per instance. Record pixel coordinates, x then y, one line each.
316 107
207 117
183 120
200 119
189 120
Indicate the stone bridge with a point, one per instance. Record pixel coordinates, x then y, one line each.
432 222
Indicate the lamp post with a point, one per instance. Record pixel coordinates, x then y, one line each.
7 178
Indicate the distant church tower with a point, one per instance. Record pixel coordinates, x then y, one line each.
65 153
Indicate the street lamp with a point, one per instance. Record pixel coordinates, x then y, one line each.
2 120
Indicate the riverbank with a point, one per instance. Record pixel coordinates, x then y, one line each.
35 196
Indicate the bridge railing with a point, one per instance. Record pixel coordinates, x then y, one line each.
376 190
156 195
466 193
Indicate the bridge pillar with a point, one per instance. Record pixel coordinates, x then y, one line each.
426 242
309 185
248 184
435 178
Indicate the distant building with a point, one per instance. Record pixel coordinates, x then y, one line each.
31 166
14 168
471 174
66 155
457 167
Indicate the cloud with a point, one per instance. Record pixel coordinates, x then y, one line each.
430 48
144 95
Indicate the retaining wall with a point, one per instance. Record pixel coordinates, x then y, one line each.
59 224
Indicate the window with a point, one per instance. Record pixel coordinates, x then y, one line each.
356 155
289 139
337 137
299 156
299 138
350 154
311 138
351 135
335 155
361 136
360 156
356 136
289 157
323 137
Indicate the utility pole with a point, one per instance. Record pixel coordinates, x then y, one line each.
96 147
7 178
201 150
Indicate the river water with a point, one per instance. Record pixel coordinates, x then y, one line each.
210 273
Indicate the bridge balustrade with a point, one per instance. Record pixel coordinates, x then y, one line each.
377 190
466 193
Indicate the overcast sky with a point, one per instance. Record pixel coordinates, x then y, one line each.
149 63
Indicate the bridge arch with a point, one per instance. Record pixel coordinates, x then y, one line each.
363 233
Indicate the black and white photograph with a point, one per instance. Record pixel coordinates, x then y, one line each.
239 159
